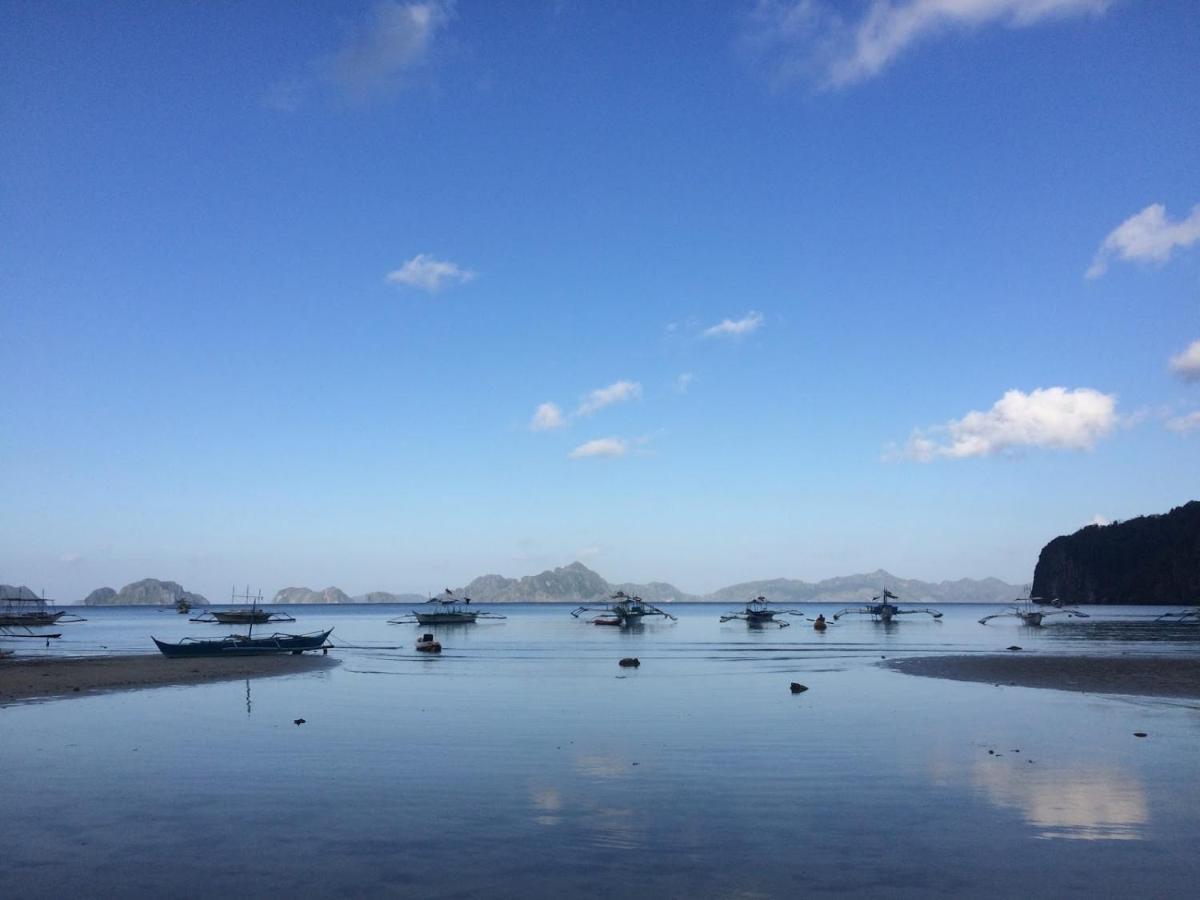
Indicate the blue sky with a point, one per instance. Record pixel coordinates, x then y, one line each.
799 289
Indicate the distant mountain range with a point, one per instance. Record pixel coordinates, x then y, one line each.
577 583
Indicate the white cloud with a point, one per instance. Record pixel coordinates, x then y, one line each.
729 328
1147 237
429 274
1098 519
71 559
813 39
1185 423
395 39
1187 364
1054 417
617 392
683 381
547 417
610 446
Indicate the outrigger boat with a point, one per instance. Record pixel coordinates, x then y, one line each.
246 644
883 611
251 615
1026 609
1192 614
447 609
759 613
625 611
33 612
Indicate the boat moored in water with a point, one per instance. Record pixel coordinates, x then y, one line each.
1029 611
448 609
881 610
625 611
758 612
426 644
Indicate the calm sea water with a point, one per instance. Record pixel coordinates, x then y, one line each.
524 762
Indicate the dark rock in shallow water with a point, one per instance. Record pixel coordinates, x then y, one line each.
1013 647
798 688
630 662
1147 560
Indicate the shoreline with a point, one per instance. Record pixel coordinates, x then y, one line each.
1139 676
38 678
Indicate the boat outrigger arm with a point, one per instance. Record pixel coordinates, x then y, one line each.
1193 614
448 609
1024 610
758 612
883 611
624 610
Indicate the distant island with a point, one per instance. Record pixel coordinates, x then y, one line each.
147 592
1147 560
576 583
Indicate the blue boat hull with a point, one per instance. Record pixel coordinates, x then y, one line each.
240 645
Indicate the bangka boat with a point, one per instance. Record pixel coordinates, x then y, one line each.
447 609
758 613
251 615
1027 610
245 645
1192 614
33 612
625 610
881 610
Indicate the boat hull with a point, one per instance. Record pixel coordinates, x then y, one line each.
32 619
240 645
445 618
241 617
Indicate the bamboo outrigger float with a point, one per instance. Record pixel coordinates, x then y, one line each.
447 609
1027 610
758 613
624 611
882 611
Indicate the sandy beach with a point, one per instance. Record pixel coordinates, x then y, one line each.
1134 675
29 679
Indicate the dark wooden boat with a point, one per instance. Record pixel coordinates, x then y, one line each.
245 645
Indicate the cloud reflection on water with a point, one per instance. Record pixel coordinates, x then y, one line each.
1098 805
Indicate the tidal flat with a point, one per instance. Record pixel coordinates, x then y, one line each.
524 761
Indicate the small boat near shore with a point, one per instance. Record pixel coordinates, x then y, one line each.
448 609
33 612
245 645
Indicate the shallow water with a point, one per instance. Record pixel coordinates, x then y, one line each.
523 761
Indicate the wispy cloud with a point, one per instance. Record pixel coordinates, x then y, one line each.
1187 364
1185 423
1147 237
547 417
734 329
814 39
1055 418
428 274
683 381
395 38
376 56
609 446
617 392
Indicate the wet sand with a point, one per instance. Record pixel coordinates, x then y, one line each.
1133 675
31 679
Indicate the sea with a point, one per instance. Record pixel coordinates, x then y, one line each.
523 761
